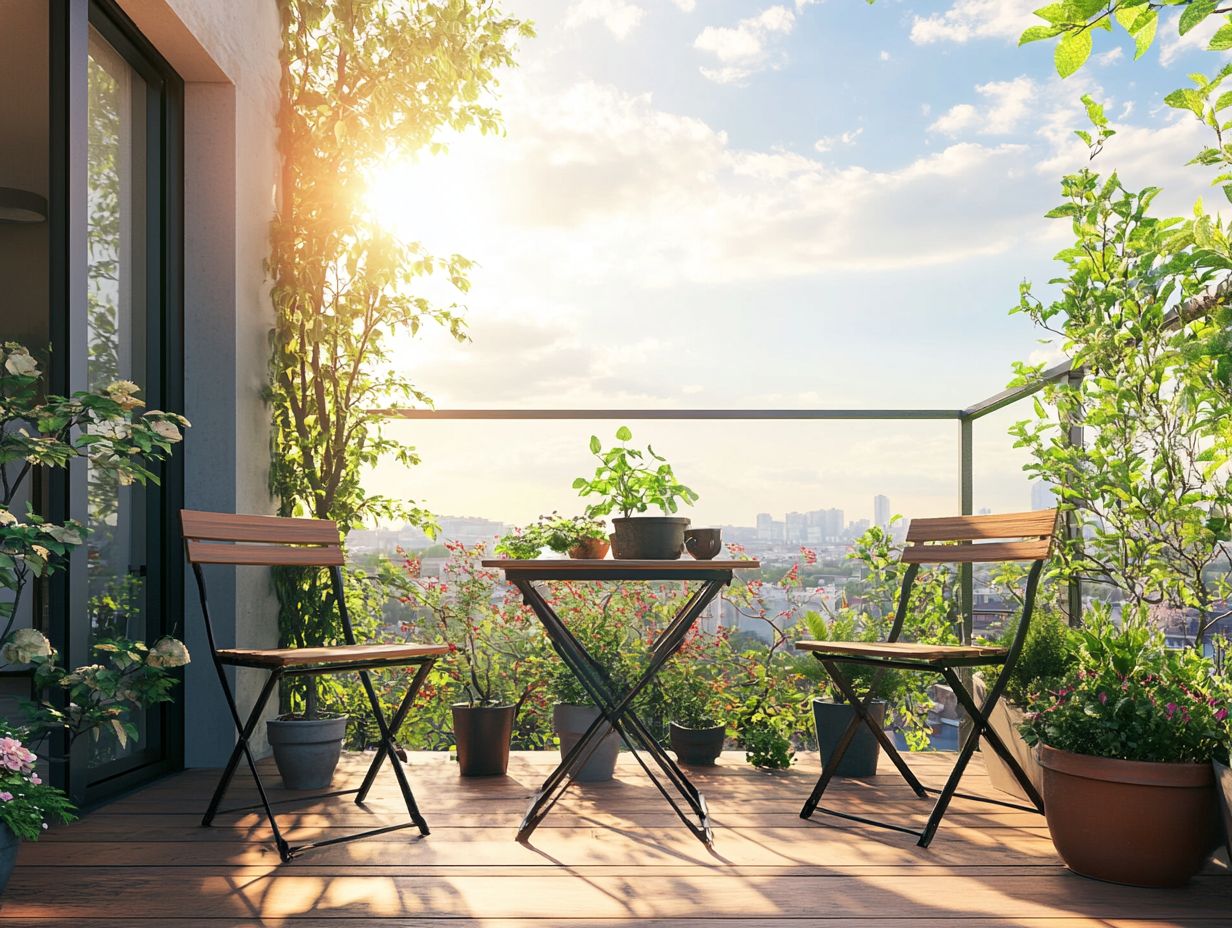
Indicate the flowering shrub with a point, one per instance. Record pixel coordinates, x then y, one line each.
26 802
1133 698
695 684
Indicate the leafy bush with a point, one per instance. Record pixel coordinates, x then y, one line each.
1133 698
558 533
628 480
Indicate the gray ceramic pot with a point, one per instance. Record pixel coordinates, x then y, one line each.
571 723
306 751
654 538
697 747
832 719
9 843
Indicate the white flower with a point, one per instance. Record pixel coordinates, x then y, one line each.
63 533
166 430
116 429
20 363
121 392
7 518
25 645
168 652
41 552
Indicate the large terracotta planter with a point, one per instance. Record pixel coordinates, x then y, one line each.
1127 821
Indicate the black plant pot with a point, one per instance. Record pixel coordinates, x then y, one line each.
482 735
832 719
1223 785
652 538
697 747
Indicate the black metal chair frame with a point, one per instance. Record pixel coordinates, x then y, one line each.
978 715
616 708
244 729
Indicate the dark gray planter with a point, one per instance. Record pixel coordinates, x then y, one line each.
697 747
1223 786
832 719
9 843
482 735
652 538
306 751
571 723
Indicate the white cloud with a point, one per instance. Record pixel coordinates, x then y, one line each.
1110 57
685 6
884 56
828 142
747 47
975 19
1007 103
1173 45
618 16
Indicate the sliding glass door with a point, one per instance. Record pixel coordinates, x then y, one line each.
121 322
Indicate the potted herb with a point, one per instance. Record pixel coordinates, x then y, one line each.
631 481
693 687
1126 746
26 802
493 665
580 537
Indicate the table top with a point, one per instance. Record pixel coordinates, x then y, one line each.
580 568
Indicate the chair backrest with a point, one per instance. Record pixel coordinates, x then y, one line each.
225 538
981 538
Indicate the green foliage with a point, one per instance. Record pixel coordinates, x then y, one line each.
363 83
109 430
630 480
1135 699
695 683
1148 487
1049 655
556 532
26 802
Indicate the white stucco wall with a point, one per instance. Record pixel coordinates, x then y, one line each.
227 53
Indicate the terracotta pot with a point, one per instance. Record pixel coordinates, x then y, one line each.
1128 821
590 549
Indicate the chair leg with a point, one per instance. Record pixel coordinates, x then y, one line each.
244 730
390 749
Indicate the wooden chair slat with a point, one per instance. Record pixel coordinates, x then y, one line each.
1034 550
974 528
905 650
221 526
338 654
201 552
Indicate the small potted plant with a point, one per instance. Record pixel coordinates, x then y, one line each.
494 667
580 537
26 802
694 691
631 481
1126 746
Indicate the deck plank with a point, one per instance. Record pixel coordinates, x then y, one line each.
609 855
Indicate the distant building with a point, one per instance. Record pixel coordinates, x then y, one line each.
796 527
881 510
1043 496
765 526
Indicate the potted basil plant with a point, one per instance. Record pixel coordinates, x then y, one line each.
631 481
1126 746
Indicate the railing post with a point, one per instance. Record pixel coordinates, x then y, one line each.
1073 531
966 493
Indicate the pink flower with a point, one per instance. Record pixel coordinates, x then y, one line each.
1103 699
36 779
15 757
6 796
1221 714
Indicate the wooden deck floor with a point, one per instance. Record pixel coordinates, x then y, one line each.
610 855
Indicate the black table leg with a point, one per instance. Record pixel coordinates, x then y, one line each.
616 712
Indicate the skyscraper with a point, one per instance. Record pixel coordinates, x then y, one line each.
881 510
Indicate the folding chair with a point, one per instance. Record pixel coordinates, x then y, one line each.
1037 528
220 538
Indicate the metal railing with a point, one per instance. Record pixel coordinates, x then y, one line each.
965 418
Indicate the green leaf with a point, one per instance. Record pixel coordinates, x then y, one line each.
1195 13
1072 52
595 445
1144 32
1221 40
1036 33
1186 99
623 433
1056 13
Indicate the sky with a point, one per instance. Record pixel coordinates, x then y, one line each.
744 203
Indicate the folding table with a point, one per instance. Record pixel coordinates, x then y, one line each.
616 709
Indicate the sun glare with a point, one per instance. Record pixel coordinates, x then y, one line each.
422 201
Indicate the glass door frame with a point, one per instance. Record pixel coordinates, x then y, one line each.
64 494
